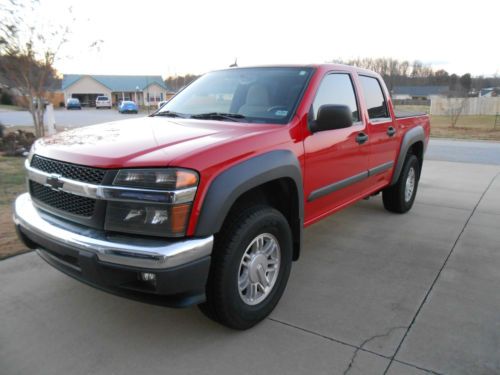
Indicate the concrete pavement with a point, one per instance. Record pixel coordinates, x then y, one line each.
373 293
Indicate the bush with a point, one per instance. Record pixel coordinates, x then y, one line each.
16 144
6 99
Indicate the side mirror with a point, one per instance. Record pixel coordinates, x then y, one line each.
331 116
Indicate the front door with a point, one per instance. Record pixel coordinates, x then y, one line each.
336 161
383 132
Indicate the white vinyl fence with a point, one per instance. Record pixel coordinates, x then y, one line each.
466 106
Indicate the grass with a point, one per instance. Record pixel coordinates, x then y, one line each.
467 127
7 107
12 183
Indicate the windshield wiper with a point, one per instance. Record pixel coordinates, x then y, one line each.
218 116
169 114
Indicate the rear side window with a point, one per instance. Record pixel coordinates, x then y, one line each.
337 89
375 101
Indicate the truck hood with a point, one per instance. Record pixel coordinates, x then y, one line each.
147 141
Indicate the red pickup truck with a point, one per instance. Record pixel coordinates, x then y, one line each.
204 202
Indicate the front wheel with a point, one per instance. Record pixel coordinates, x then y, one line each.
251 263
399 198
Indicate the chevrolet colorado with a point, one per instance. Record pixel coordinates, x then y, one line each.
204 202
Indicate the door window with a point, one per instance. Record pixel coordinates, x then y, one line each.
336 89
375 101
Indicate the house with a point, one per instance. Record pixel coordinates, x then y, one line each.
144 90
489 92
418 92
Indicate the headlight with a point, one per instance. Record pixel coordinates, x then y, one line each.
157 202
168 179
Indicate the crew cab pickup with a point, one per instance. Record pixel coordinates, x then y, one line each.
204 202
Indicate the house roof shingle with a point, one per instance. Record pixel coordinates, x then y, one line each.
117 83
420 90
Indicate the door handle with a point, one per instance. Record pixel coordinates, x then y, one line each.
361 138
391 131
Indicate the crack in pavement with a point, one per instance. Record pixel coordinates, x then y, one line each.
355 354
426 297
357 348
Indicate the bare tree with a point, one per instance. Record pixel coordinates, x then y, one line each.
456 107
27 56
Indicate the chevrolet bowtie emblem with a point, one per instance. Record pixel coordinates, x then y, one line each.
54 181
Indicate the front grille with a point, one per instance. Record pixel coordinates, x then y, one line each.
62 201
68 170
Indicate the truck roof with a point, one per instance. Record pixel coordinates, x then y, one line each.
324 66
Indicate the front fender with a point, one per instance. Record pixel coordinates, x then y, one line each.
242 177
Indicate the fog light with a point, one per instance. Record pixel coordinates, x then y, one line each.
148 276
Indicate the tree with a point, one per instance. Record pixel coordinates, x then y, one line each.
416 69
456 107
27 56
466 82
441 77
178 82
403 73
453 83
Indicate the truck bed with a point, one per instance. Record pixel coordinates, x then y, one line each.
405 114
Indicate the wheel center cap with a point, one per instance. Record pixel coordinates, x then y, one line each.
257 264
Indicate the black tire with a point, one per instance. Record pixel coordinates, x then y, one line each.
394 196
224 303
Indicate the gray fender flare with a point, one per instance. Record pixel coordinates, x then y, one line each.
240 178
412 136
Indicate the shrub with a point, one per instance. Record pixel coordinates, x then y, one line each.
6 98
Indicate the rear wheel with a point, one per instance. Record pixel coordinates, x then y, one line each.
399 198
251 263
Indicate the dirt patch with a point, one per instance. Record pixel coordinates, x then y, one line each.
12 183
465 133
483 127
9 243
467 127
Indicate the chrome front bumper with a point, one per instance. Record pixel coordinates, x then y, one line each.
120 250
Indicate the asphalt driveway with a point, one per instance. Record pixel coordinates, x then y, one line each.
67 119
373 293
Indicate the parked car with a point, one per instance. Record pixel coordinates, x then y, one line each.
205 201
103 102
73 103
128 106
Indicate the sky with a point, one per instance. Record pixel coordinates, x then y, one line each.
171 38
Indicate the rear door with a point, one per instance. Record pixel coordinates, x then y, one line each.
384 137
336 161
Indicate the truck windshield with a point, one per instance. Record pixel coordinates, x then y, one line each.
266 95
